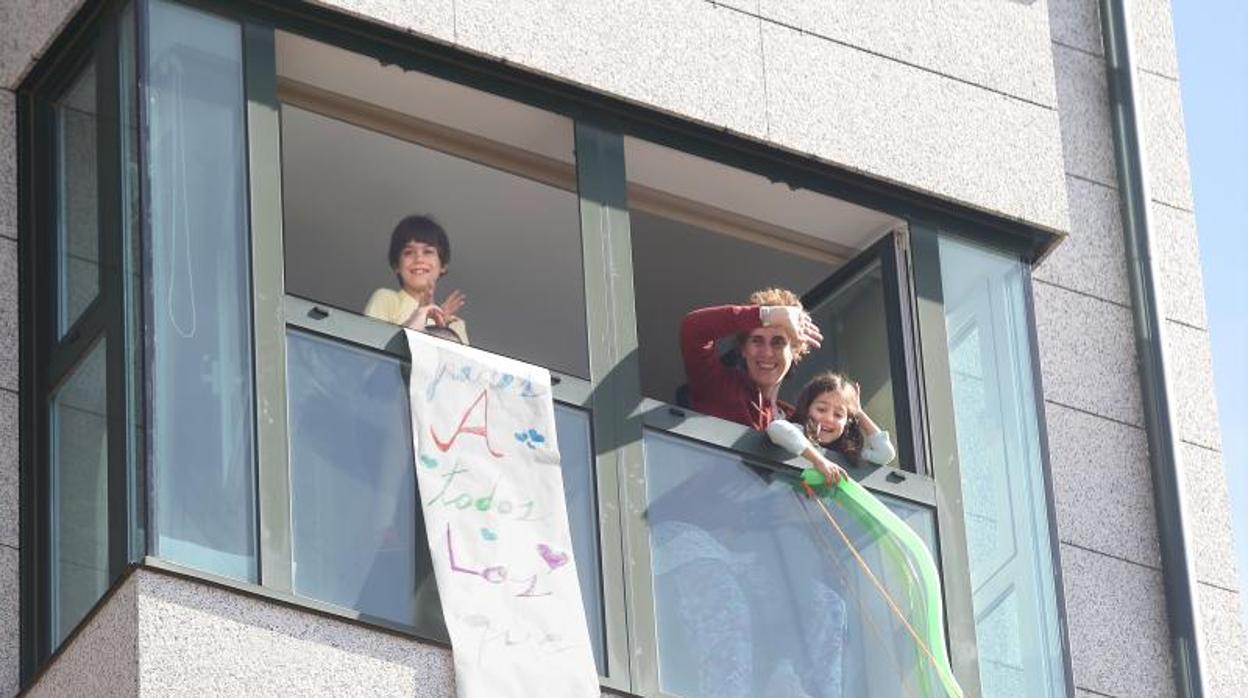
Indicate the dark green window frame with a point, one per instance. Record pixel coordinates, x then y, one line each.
612 395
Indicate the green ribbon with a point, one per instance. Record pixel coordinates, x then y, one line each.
864 506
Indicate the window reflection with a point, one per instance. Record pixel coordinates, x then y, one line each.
79 258
199 314
79 480
756 595
359 538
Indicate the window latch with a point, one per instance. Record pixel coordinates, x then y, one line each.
318 313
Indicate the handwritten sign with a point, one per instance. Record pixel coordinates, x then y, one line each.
487 462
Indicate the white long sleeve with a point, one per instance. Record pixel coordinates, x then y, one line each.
879 448
788 436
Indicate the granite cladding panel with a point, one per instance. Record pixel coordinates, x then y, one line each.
1177 250
8 314
1207 510
1101 485
431 18
193 635
8 164
1091 259
1153 25
692 58
1003 46
1225 648
9 620
1165 140
1115 612
102 658
29 27
1087 353
8 469
954 140
1083 105
1193 399
1076 23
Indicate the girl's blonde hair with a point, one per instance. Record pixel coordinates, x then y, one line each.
851 440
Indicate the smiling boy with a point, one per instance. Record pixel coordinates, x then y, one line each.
419 255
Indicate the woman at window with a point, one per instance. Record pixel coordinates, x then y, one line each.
773 332
419 255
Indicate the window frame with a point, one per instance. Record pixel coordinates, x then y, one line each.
619 414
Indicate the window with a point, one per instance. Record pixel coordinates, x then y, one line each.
212 394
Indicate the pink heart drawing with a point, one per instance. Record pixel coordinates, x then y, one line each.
553 559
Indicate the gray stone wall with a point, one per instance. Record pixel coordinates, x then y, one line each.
1110 563
997 104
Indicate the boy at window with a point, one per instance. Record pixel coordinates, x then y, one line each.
773 332
420 253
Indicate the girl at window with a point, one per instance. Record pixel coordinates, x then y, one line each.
420 253
829 417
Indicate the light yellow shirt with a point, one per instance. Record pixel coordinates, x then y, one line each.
396 306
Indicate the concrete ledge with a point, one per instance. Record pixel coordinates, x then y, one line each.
29 27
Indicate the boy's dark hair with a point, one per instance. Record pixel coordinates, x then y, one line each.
419 229
851 440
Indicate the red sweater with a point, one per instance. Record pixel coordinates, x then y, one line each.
716 389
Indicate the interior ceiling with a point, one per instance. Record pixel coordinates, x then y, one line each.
505 121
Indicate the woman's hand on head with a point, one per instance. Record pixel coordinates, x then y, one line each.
796 322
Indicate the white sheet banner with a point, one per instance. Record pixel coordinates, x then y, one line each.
487 461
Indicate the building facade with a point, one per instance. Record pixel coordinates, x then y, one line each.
203 486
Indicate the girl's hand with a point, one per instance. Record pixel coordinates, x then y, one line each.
831 471
855 402
451 305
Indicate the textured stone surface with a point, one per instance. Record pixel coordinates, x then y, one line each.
8 164
1207 510
1177 250
1090 260
1154 37
432 18
1076 23
951 139
1193 401
1165 140
1115 611
29 27
751 6
694 59
8 469
1002 46
9 623
1087 353
193 635
1102 487
1224 650
101 660
8 314
1083 104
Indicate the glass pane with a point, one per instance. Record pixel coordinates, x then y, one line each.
581 493
1003 493
79 480
78 268
855 343
373 158
199 310
757 594
359 539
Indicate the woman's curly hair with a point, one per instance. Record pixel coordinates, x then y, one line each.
851 440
